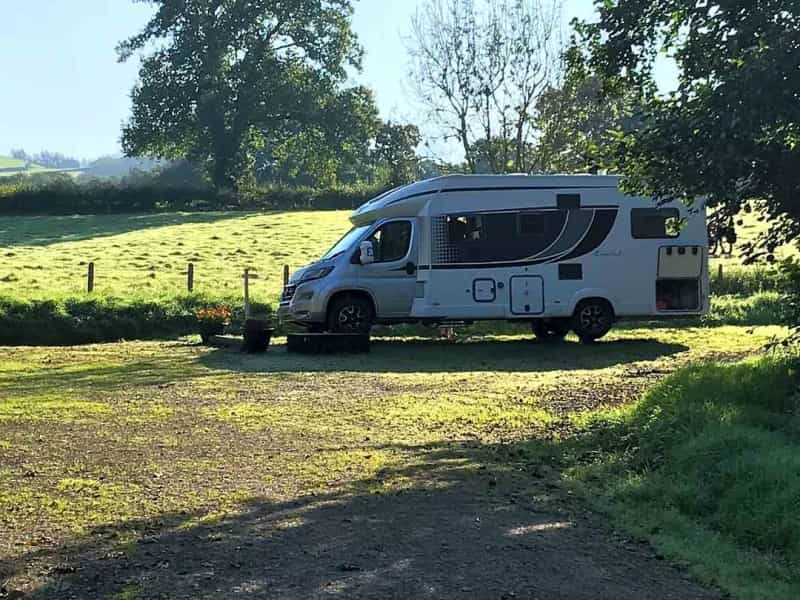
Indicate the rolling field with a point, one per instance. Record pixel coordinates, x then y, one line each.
147 255
12 166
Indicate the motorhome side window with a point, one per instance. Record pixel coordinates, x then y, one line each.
531 223
462 228
391 241
495 237
655 223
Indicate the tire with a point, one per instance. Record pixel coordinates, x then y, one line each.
551 330
593 319
351 314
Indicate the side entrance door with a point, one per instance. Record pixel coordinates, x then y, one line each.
392 278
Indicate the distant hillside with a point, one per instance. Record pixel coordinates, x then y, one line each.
13 166
118 166
9 163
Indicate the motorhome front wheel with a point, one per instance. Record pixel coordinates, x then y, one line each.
350 314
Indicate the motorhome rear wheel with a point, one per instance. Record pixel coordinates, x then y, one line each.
593 319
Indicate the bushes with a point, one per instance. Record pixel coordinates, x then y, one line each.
712 453
59 194
744 281
72 321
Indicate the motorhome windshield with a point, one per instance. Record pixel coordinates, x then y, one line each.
347 241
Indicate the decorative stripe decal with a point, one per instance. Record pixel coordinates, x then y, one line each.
601 227
584 239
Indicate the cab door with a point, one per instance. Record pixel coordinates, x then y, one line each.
392 278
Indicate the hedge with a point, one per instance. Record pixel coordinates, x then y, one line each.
73 321
61 195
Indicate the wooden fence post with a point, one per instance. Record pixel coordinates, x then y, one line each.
285 275
719 272
90 278
190 277
247 293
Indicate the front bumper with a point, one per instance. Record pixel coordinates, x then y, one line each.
301 304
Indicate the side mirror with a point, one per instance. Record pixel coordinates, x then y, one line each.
367 253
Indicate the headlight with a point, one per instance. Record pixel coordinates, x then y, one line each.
317 273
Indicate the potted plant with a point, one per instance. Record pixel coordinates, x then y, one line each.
212 321
257 334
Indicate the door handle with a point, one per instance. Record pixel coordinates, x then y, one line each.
411 268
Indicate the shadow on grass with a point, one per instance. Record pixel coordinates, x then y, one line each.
476 522
160 370
433 356
48 230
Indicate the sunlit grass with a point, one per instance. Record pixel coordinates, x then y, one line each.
147 255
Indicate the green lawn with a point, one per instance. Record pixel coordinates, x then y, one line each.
128 469
147 255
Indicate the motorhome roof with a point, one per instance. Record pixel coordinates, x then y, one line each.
482 182
450 182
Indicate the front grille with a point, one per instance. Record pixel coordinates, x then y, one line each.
288 293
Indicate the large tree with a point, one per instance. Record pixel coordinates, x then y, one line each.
480 67
731 130
217 74
395 150
333 149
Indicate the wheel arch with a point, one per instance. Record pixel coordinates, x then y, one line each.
360 292
592 294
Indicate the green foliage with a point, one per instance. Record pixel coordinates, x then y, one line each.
730 131
218 78
333 149
576 123
745 281
71 321
712 450
395 147
59 194
790 272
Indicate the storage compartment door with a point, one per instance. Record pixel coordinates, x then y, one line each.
680 262
527 295
484 290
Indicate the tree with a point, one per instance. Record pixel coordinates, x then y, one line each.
333 149
576 124
480 68
731 130
217 74
395 148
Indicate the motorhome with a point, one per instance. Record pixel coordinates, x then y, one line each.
564 253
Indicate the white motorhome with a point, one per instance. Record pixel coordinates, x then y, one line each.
561 252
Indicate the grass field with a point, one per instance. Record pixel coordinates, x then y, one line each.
145 470
7 162
147 255
13 166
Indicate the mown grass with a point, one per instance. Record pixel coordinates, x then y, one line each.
148 254
110 435
707 465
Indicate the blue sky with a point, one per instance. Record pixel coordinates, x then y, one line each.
63 89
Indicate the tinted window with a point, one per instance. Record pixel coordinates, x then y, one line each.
655 223
391 241
496 237
531 224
